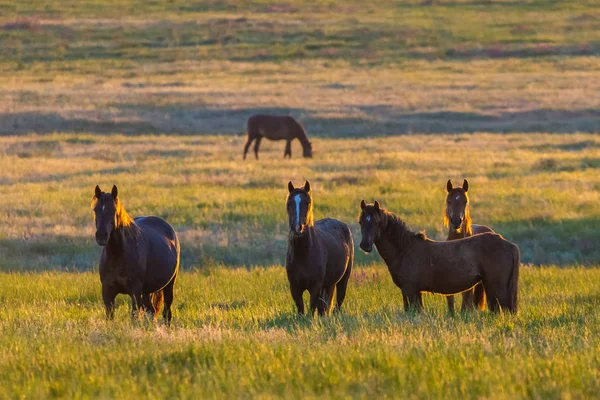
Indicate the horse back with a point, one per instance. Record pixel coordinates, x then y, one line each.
478 229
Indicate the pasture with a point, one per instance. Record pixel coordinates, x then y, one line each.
396 97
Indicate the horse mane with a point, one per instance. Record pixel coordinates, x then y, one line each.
397 230
124 222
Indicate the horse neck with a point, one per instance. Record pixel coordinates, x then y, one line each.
300 134
300 244
125 227
394 240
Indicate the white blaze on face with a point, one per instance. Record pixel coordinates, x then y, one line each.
103 207
368 218
457 197
297 199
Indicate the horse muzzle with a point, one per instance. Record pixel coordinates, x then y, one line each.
367 248
456 223
299 229
102 238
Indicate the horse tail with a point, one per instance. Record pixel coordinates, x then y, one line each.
479 297
157 298
513 280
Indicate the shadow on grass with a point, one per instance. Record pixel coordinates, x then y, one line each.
379 120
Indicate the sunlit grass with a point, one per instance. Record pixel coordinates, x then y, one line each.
235 333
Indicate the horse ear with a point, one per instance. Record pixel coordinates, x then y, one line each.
362 205
98 192
466 185
114 192
449 185
377 205
290 186
307 186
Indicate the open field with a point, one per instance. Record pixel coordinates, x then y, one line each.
235 334
396 96
540 191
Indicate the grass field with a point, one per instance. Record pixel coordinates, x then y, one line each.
397 97
236 334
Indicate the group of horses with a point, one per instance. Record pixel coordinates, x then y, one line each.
140 257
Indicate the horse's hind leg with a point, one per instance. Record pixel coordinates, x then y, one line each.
450 300
168 299
256 146
325 300
247 146
468 303
342 286
288 149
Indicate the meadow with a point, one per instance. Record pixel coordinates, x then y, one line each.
397 98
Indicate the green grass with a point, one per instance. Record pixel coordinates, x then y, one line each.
235 334
397 97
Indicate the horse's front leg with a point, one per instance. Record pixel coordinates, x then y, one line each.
297 291
315 298
412 300
136 299
108 296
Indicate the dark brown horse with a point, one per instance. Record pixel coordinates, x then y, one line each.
457 219
276 127
418 264
139 257
320 254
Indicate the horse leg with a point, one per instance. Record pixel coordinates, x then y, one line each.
147 305
297 296
341 287
288 149
467 301
168 299
136 300
256 146
413 301
450 300
325 300
315 299
108 296
247 146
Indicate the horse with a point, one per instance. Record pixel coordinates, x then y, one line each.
140 257
457 219
276 127
418 264
320 254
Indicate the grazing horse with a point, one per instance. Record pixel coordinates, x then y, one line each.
418 264
458 221
140 257
320 254
276 127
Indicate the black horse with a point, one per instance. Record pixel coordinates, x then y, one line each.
320 254
139 257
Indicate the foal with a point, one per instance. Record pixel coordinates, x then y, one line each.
276 127
457 219
140 257
418 264
320 254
